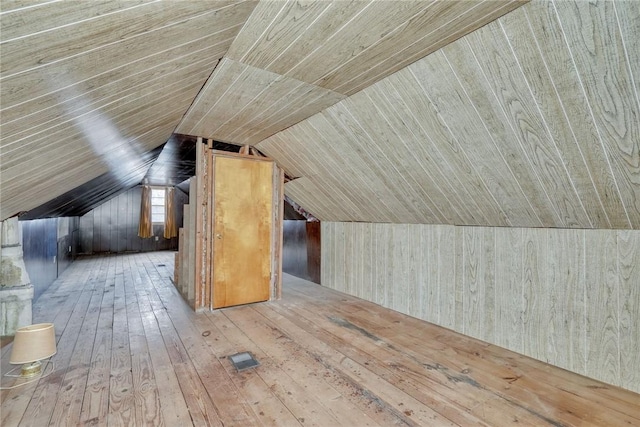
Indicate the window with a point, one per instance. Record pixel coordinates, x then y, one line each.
157 205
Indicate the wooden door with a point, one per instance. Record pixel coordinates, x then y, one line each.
242 230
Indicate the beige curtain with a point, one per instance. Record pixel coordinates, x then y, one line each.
145 227
170 229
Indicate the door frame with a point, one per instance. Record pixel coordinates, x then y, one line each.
275 286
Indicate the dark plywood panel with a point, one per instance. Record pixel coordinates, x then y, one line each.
86 233
40 250
49 247
112 227
301 249
85 197
314 250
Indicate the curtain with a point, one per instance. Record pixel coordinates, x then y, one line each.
170 229
145 227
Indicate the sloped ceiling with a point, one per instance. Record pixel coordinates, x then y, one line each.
293 59
89 88
532 120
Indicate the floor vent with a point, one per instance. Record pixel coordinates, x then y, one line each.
242 361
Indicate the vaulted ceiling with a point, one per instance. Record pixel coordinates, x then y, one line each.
388 111
532 120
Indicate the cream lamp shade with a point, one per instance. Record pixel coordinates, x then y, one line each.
33 343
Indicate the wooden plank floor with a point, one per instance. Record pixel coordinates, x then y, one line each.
131 352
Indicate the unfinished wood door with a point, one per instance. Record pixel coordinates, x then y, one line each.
243 221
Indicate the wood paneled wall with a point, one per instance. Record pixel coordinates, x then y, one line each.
570 298
113 226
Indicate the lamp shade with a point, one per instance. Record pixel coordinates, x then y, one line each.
33 343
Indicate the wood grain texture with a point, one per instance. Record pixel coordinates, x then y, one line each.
552 110
565 297
118 71
443 260
572 118
40 49
427 177
380 19
103 89
494 55
567 305
185 254
47 186
326 359
534 316
506 126
628 17
306 40
192 241
456 19
47 16
602 299
528 120
237 95
599 52
629 298
121 399
38 82
132 95
466 127
305 189
274 27
116 121
475 84
202 183
509 289
243 221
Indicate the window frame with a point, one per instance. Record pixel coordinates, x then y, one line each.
164 203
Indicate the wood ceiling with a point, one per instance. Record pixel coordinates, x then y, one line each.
293 59
532 120
88 88
388 111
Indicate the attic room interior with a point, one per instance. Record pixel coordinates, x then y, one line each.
439 201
